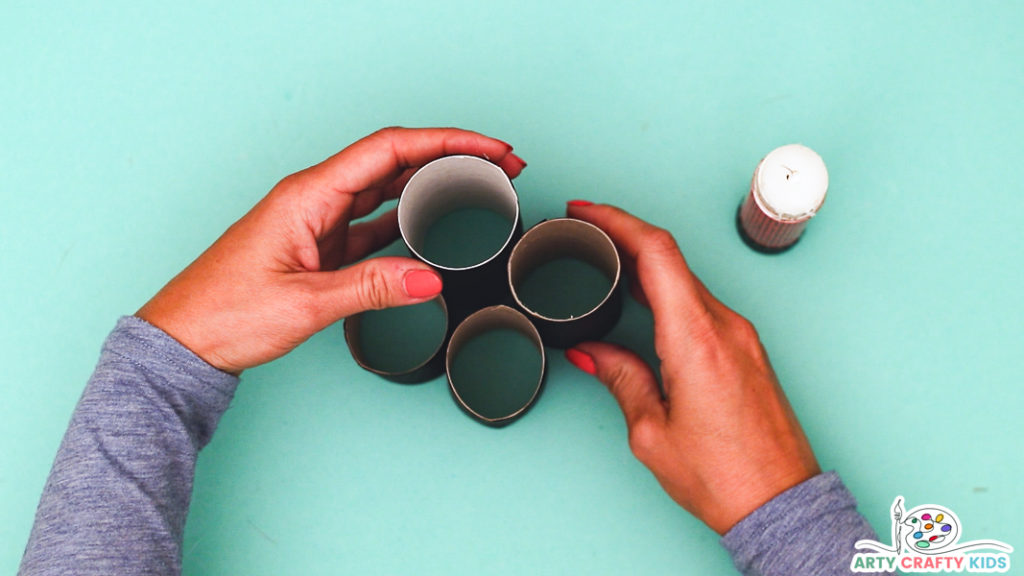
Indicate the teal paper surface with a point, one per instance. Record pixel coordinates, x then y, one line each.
133 134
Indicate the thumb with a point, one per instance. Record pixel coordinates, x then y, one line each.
627 377
375 284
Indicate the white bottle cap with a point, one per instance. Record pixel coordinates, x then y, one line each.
790 183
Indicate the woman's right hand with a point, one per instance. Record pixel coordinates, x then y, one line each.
723 439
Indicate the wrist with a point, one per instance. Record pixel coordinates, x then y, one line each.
174 322
756 491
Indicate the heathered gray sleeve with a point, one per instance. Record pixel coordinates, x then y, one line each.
809 529
118 493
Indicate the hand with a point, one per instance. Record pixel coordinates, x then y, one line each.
723 440
273 279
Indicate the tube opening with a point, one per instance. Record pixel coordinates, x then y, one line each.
495 365
563 269
458 212
402 344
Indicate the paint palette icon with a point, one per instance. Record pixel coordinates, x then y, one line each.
932 528
926 531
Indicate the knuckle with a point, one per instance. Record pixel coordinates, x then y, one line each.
373 292
643 438
289 189
618 378
661 240
289 181
745 330
744 335
386 132
292 184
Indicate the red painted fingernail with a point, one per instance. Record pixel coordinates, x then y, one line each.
518 159
581 360
580 203
422 283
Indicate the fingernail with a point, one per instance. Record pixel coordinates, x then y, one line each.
518 159
581 360
422 283
580 203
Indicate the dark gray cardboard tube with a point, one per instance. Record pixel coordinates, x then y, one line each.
569 238
444 186
491 318
428 369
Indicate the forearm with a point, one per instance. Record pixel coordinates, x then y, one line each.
118 494
809 529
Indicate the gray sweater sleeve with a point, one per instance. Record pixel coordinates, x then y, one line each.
809 529
118 493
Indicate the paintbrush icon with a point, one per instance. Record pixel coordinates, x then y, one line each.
897 515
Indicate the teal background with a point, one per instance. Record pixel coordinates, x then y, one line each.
132 134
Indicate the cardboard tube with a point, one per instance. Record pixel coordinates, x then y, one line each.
429 368
568 238
527 391
447 185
